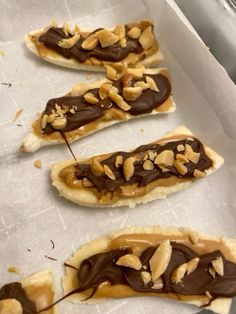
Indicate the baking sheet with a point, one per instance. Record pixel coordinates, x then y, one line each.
32 213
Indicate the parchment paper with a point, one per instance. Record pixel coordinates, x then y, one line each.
32 213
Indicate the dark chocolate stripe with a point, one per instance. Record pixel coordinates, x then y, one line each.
102 267
85 113
143 177
112 53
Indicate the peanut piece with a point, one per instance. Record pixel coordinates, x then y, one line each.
192 265
87 183
109 172
90 42
148 165
134 32
128 168
198 173
119 161
106 38
146 39
191 155
179 273
131 93
129 260
90 98
119 101
69 42
152 84
142 84
218 265
180 167
10 306
146 277
59 123
104 89
180 148
96 167
165 158
160 259
158 284
44 121
137 73
120 31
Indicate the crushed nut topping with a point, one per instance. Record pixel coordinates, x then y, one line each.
90 98
104 90
66 29
142 84
38 163
180 148
131 93
146 277
59 123
147 38
137 73
44 121
90 42
119 161
87 183
130 260
179 273
112 73
128 168
218 266
160 259
69 42
212 272
148 165
182 158
165 158
134 32
191 155
152 84
158 284
192 265
198 173
118 100
106 38
180 167
96 167
207 293
119 31
109 172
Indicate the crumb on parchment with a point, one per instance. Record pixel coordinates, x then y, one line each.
17 114
38 163
13 269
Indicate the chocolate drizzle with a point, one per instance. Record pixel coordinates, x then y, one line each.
102 267
86 113
143 177
113 53
15 290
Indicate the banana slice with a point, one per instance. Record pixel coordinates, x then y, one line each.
147 173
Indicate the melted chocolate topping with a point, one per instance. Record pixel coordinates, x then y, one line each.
112 53
85 113
143 177
102 267
15 290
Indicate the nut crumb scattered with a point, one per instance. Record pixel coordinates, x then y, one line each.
38 163
13 269
18 113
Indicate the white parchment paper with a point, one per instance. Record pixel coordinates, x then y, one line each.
32 213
